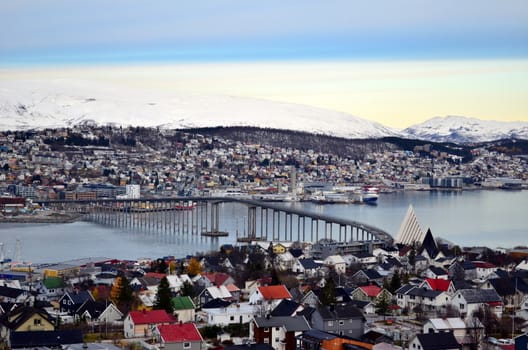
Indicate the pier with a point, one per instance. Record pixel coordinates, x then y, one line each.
261 221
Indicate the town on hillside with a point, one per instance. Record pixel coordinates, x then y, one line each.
89 162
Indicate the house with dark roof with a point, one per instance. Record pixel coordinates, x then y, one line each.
14 295
309 267
286 308
340 319
216 304
511 289
470 270
71 301
470 300
180 336
435 341
434 272
367 276
25 319
280 332
98 311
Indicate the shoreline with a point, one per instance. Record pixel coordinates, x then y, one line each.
53 218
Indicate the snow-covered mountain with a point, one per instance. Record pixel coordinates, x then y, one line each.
463 130
60 103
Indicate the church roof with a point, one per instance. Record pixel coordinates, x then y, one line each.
410 230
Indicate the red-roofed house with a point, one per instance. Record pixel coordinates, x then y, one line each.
272 295
439 284
484 269
370 293
183 336
216 279
142 323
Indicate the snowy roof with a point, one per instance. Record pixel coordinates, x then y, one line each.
448 323
219 292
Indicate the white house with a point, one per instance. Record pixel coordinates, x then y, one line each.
270 296
470 300
336 262
233 314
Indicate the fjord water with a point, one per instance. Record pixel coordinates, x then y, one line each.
468 218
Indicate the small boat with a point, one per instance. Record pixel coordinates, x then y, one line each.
370 194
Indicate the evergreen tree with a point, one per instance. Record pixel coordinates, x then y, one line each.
163 296
328 296
126 293
395 282
382 304
187 290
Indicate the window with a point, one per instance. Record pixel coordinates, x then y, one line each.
232 318
341 323
330 323
37 322
186 345
266 330
461 306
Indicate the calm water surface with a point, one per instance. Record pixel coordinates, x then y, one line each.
469 218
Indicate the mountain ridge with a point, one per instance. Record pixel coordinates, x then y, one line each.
30 104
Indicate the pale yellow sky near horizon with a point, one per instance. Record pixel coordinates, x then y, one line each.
394 93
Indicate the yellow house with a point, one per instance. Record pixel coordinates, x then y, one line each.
60 270
26 319
279 248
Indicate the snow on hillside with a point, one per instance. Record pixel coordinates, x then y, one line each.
462 130
60 103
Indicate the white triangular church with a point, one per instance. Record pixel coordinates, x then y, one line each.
410 230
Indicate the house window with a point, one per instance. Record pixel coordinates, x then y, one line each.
277 329
266 340
341 323
461 306
266 330
37 322
186 345
232 318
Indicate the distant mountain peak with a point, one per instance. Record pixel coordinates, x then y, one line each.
62 103
460 129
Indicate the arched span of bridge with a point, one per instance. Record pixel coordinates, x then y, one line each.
266 221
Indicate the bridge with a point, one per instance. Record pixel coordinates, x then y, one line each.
262 221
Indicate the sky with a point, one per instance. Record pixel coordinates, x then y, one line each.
394 62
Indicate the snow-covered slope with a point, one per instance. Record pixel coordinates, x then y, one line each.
462 130
60 103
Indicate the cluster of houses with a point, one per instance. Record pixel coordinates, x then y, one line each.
414 296
87 162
